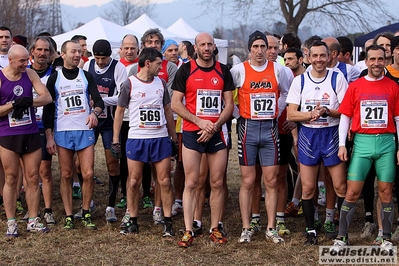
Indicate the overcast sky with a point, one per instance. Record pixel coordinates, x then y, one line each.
80 3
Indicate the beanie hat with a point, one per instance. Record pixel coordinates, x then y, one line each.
394 43
22 40
168 43
102 48
256 35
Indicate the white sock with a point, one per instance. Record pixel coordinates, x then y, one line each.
199 223
330 215
157 209
76 184
320 183
280 217
295 201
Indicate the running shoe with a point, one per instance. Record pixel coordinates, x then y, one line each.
322 196
87 222
387 245
367 230
339 244
221 229
282 229
49 218
329 228
26 217
36 227
122 203
129 228
177 208
246 235
69 224
79 214
317 224
311 240
110 215
197 230
272 236
377 241
12 228
217 237
168 230
147 203
186 240
19 208
255 225
76 192
291 210
158 217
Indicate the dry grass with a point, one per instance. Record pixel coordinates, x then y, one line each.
106 247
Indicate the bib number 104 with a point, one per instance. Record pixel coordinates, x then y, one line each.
209 102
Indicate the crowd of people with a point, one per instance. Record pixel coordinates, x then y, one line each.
311 125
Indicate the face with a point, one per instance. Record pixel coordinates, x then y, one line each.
318 58
153 42
72 55
386 43
171 53
204 47
272 49
375 63
102 61
5 41
395 55
19 60
83 45
292 61
154 67
181 48
41 53
258 52
342 57
129 48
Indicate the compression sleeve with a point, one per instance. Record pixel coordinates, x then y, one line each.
344 123
397 127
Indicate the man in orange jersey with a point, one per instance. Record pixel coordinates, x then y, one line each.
262 89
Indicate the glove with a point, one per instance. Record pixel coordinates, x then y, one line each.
175 149
18 113
116 150
22 102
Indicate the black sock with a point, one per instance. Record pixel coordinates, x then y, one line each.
48 210
346 215
387 218
308 211
369 218
133 220
70 216
84 212
1 200
340 200
113 189
168 219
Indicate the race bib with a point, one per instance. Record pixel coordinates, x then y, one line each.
209 103
374 113
263 105
150 116
73 102
25 120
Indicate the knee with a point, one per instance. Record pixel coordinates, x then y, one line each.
307 192
352 196
340 189
217 184
164 181
271 183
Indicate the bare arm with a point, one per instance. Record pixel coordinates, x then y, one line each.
170 122
297 116
44 96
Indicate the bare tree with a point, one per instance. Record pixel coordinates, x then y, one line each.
336 14
126 11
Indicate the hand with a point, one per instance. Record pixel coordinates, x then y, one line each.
288 126
51 147
208 126
22 102
92 120
18 113
205 136
116 150
342 154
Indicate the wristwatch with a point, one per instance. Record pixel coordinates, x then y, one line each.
95 112
326 113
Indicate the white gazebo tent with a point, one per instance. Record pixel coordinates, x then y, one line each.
98 28
182 28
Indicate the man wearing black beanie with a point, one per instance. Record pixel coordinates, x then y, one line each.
262 89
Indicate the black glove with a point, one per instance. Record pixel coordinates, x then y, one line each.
116 150
175 149
22 102
18 113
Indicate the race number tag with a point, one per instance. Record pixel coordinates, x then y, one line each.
209 103
310 105
25 120
150 116
373 113
73 102
263 105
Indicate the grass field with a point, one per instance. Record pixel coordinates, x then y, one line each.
107 247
